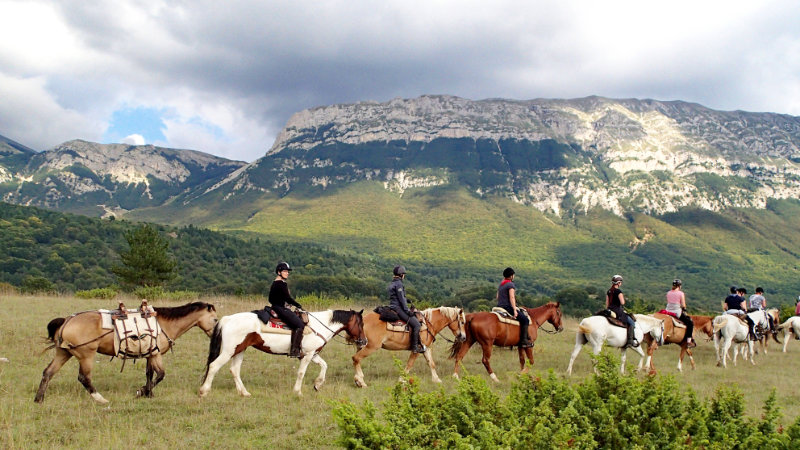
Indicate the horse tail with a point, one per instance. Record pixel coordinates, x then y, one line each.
584 329
214 347
720 324
53 326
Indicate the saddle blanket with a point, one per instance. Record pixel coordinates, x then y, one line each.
505 317
402 327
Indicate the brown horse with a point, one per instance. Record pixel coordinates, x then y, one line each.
436 319
486 329
85 331
674 335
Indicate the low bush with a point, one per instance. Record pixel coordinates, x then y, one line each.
606 410
105 293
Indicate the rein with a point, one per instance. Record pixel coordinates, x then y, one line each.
335 333
445 325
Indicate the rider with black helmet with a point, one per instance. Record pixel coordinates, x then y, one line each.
279 296
614 302
506 299
398 303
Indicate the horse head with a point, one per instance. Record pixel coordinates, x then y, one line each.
355 328
208 319
651 325
555 316
458 324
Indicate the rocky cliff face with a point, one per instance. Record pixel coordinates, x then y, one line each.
555 155
108 178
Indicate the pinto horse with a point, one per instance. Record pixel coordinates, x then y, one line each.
235 333
436 319
790 327
486 329
84 337
729 329
674 335
597 329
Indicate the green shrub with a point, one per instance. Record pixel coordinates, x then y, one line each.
7 288
35 284
606 410
106 293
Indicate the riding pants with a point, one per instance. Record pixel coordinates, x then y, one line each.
689 325
523 324
413 323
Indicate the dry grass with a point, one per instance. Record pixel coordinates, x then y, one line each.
273 417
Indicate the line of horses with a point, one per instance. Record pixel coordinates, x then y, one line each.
82 336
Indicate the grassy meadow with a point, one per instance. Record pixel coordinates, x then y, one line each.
273 417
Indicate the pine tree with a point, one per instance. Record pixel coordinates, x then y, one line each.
147 263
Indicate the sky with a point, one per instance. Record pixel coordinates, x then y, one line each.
223 77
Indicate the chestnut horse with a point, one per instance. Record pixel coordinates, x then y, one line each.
486 329
674 335
86 337
436 319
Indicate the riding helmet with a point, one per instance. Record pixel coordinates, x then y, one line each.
677 282
282 266
508 272
399 270
616 279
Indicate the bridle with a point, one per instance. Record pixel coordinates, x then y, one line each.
462 325
358 342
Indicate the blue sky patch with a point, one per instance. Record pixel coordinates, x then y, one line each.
146 122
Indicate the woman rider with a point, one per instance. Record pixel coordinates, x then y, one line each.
399 304
278 297
614 302
507 299
676 304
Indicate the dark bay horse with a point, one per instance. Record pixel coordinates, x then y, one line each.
86 337
436 319
674 335
486 329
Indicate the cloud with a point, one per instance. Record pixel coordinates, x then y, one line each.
133 139
227 75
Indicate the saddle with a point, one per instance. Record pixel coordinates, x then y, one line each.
271 323
675 322
393 322
611 316
505 317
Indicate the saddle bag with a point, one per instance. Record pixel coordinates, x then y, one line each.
387 314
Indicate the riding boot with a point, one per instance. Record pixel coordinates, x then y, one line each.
297 339
632 342
416 345
524 340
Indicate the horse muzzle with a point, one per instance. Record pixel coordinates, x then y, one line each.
461 337
361 343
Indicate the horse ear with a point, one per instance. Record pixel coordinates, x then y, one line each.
359 313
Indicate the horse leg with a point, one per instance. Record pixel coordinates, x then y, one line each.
225 355
412 357
786 339
359 356
487 355
750 349
323 368
462 351
432 364
155 366
525 353
85 377
61 357
301 373
623 357
236 371
726 344
580 340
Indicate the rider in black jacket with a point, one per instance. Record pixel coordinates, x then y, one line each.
279 296
398 303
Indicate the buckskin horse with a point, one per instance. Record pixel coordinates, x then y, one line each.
82 336
486 329
597 329
435 319
235 333
674 335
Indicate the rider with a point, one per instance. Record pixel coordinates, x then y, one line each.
614 302
797 307
398 302
759 302
507 299
676 304
734 304
279 296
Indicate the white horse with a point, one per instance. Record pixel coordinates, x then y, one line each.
790 327
729 329
235 333
596 330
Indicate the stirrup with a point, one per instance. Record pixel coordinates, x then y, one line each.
633 343
526 344
421 348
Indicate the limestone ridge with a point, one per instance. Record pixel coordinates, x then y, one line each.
555 155
102 179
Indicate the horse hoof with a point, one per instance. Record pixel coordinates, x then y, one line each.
455 375
244 394
317 387
494 378
99 398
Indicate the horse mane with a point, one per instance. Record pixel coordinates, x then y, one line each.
177 312
647 318
342 316
448 311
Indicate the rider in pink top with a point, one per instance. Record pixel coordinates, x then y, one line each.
676 304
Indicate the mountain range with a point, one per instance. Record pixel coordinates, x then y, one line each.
566 190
